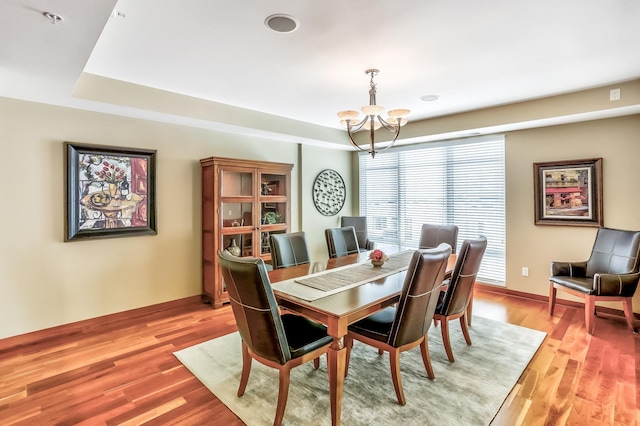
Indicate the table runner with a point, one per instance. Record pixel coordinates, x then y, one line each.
357 274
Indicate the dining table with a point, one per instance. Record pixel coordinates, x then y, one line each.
338 308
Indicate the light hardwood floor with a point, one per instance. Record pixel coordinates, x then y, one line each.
121 369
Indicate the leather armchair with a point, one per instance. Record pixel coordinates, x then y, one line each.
281 341
341 241
610 274
433 235
402 327
288 250
359 223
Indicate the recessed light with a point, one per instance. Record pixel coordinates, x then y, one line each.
281 23
53 17
429 98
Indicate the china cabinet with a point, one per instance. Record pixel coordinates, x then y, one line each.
243 202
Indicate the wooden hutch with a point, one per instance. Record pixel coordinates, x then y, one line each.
243 202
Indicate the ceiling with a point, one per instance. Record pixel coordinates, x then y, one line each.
471 54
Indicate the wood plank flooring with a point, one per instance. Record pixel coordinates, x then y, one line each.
120 370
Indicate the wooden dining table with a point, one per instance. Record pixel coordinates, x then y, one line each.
340 309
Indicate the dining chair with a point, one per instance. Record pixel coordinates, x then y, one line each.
359 223
341 241
454 301
611 274
404 326
288 250
432 235
280 341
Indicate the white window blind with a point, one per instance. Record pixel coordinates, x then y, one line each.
448 183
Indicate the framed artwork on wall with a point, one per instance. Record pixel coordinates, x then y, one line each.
111 191
568 192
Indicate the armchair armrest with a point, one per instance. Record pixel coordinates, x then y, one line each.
615 284
569 269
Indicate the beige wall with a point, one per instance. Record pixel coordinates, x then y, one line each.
616 141
314 161
46 282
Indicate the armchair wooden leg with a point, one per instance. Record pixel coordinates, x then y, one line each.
627 304
283 393
426 357
589 318
552 298
394 360
246 369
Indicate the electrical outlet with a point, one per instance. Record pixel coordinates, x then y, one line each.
525 271
614 95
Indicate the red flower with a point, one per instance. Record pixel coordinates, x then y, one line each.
378 254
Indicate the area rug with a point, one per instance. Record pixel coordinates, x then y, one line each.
469 391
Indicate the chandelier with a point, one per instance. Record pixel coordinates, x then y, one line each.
372 120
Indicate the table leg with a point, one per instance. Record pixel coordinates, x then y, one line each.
337 356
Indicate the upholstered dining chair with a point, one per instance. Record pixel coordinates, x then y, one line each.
404 326
341 241
359 223
432 235
288 250
610 274
453 302
281 341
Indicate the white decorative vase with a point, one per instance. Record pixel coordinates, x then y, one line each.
233 248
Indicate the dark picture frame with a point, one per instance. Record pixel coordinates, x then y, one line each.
568 192
111 191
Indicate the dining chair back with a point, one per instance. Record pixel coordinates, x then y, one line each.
341 241
419 296
288 250
359 223
405 326
453 302
433 235
280 341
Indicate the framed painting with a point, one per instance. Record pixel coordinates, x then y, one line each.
111 191
568 192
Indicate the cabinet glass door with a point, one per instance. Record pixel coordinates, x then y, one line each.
273 184
239 244
236 215
236 183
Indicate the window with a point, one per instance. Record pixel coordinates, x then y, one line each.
455 182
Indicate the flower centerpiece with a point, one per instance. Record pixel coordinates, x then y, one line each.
378 257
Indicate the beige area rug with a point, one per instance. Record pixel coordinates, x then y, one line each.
469 391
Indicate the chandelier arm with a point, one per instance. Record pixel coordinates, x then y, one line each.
356 127
390 127
350 134
355 145
393 142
